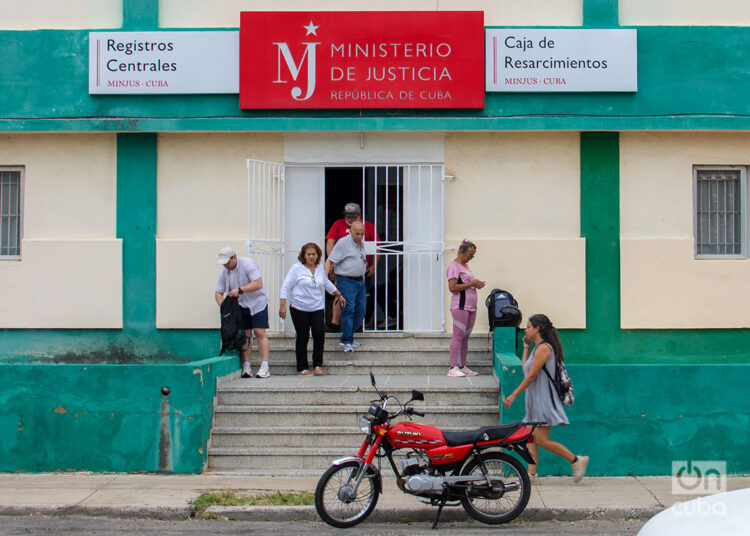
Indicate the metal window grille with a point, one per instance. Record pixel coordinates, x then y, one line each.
10 213
718 212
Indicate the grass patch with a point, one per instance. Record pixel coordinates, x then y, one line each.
234 498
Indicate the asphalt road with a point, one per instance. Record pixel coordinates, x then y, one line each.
90 526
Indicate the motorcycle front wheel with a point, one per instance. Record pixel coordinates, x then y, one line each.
335 500
501 500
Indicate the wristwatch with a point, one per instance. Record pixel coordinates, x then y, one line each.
239 290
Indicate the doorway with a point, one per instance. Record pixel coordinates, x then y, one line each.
379 191
405 204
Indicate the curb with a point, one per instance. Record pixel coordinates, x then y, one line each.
170 513
407 515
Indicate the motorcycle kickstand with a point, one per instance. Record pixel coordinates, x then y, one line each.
437 516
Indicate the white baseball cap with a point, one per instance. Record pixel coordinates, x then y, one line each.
224 255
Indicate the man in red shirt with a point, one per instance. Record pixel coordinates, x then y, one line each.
339 229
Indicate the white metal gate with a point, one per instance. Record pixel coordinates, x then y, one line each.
406 203
265 229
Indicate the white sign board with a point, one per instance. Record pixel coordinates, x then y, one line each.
533 59
164 62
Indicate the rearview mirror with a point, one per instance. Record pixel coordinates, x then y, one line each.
372 379
417 395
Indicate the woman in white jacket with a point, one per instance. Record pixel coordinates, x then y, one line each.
305 287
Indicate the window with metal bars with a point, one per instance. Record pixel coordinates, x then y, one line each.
10 212
720 212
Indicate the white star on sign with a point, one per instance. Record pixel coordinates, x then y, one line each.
311 29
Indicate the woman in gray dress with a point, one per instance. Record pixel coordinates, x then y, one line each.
542 402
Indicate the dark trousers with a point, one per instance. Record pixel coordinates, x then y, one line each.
304 322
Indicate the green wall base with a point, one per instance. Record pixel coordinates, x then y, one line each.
637 419
108 418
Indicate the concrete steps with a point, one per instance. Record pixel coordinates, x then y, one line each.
386 354
288 423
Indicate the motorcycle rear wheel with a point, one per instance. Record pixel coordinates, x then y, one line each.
492 505
333 504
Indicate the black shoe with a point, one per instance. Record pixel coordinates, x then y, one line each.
333 328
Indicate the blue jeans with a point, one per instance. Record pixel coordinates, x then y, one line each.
355 294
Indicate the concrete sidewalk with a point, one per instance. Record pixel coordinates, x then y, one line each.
168 496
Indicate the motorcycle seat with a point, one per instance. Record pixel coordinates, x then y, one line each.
480 435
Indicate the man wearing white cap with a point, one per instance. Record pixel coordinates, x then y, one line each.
241 279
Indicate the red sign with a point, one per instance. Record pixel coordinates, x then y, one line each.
363 59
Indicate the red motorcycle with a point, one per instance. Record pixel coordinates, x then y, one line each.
441 468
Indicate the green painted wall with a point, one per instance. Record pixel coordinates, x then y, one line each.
136 226
44 85
600 13
108 417
637 419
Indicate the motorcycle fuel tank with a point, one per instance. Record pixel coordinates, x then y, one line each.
413 435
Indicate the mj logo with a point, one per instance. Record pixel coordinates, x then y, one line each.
294 68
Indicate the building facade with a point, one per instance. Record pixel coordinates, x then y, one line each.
621 215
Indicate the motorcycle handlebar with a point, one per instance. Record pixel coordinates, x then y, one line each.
412 411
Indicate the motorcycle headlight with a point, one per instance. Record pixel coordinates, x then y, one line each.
365 425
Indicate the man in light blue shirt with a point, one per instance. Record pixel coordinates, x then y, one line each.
349 262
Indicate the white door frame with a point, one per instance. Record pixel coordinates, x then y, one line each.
265 229
421 249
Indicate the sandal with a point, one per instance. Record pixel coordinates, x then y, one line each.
305 372
319 371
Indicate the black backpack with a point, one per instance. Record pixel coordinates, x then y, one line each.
232 335
502 309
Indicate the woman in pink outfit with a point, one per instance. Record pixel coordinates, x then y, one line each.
463 286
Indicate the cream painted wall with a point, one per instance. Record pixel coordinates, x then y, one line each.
80 280
202 182
684 12
662 284
69 218
185 281
545 276
226 13
64 172
60 14
521 12
517 196
656 178
513 185
202 206
364 148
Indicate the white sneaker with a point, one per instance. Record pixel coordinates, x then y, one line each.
263 371
579 468
455 372
348 348
247 372
534 479
468 372
354 344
